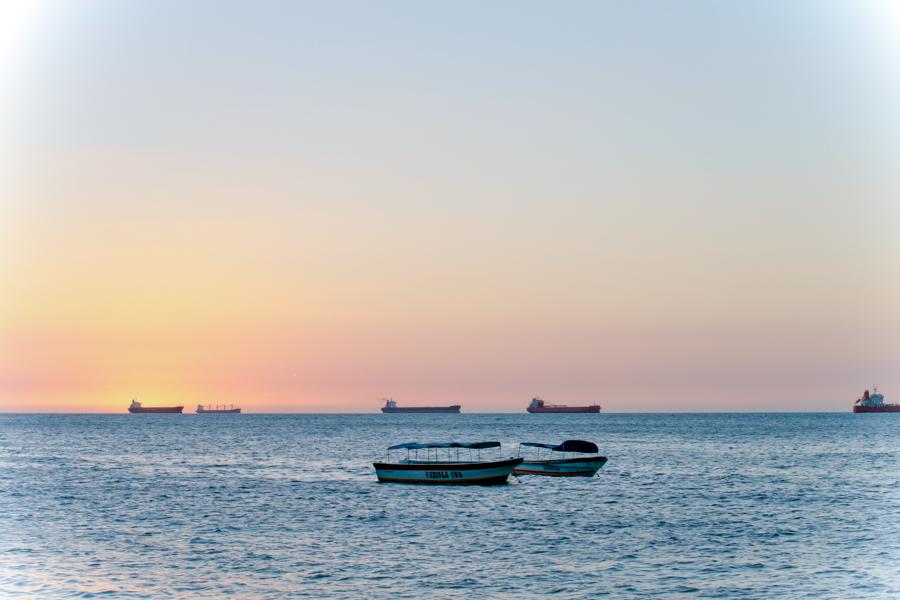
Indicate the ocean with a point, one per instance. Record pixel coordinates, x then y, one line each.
271 506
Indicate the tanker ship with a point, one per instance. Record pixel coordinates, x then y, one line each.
390 406
874 403
136 407
220 410
539 406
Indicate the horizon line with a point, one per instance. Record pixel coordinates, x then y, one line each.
658 412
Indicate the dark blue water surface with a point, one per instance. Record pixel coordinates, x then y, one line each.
264 506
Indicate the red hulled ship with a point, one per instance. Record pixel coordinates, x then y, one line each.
874 403
539 406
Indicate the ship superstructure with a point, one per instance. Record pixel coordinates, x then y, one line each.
874 402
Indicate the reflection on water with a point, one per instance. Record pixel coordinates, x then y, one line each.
744 506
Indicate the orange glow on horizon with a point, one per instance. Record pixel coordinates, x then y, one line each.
250 220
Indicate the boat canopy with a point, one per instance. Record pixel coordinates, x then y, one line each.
418 446
567 446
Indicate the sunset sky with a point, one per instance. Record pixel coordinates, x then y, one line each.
299 207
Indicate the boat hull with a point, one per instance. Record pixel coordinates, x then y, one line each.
423 409
447 473
887 408
564 409
229 411
157 410
562 467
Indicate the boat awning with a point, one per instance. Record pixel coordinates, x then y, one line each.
418 446
567 446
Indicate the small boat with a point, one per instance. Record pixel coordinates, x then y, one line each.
446 463
137 407
390 406
575 466
218 410
874 403
539 406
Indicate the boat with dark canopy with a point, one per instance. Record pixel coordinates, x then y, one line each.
560 464
446 463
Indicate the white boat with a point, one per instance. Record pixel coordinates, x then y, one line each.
561 465
446 463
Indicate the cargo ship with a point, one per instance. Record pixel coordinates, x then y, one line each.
390 406
218 410
539 406
136 407
874 403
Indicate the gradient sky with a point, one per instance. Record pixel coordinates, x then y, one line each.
304 207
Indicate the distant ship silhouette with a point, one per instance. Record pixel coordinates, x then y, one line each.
390 406
137 407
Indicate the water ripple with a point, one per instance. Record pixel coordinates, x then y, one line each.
258 506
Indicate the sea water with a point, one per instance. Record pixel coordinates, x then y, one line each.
267 506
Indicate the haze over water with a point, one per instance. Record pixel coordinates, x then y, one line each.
266 506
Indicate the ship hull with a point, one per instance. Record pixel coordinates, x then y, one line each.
229 411
447 473
157 410
423 409
563 467
564 409
887 408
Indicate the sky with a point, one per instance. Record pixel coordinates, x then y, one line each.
305 207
